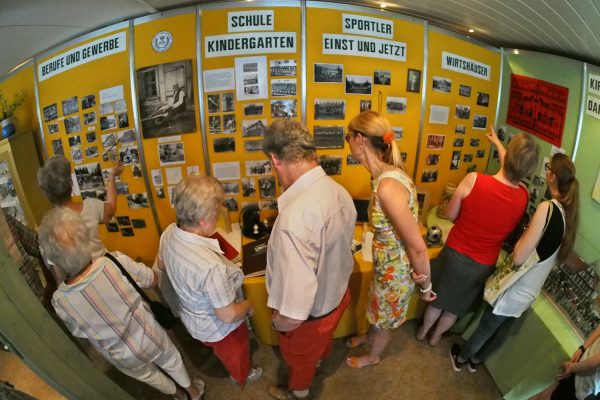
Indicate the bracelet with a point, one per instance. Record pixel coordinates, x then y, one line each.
423 291
273 325
582 349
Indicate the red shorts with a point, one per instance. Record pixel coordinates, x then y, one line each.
234 352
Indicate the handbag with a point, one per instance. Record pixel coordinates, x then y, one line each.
162 313
507 273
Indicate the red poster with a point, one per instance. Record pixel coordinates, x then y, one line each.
538 107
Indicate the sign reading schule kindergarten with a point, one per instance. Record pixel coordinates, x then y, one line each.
90 51
249 43
465 66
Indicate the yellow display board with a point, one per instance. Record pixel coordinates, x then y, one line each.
21 81
251 72
165 56
358 60
462 93
85 99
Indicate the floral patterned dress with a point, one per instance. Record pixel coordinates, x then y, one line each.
392 283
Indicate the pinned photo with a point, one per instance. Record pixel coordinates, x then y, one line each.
398 132
359 84
230 203
123 120
138 223
479 122
50 112
258 167
329 73
122 187
138 200
253 109
160 192
136 170
330 109
229 125
413 81
328 137
432 159
224 145
483 99
395 105
365 105
109 140
128 155
248 187
283 67
474 142
464 91
382 77
459 142
127 232
76 154
480 154
157 179
108 122
106 108
351 160
227 102
70 106
268 204
72 124
57 148
171 153
123 220
266 186
284 109
89 176
120 106
106 174
52 128
467 157
112 227
214 103
90 137
462 111
435 142
253 145
441 84
88 102
254 127
89 118
460 129
127 137
214 124
332 165
429 175
231 187
74 141
91 152
283 87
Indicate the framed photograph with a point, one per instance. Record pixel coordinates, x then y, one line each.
462 111
70 106
359 84
253 109
441 84
284 108
382 77
365 105
483 99
283 67
413 81
224 145
88 102
329 137
50 112
72 124
213 102
423 200
254 127
464 91
435 142
329 73
395 105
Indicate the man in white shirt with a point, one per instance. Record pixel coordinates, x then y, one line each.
309 260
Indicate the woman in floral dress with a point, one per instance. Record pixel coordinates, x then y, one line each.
397 244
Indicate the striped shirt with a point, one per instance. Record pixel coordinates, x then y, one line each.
203 280
104 308
309 260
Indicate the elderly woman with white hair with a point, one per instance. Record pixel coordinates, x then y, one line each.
207 284
96 302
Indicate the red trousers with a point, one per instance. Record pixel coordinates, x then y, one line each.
303 347
234 352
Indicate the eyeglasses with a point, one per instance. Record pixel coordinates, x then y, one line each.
349 135
547 167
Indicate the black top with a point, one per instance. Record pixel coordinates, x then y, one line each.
553 235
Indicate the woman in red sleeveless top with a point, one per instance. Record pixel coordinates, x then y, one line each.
484 209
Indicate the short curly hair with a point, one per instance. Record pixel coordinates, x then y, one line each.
196 197
289 141
54 179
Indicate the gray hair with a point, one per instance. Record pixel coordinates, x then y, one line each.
197 197
65 240
54 179
289 141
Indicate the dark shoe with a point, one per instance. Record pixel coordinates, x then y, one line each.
282 393
472 366
454 352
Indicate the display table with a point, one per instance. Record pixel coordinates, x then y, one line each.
353 320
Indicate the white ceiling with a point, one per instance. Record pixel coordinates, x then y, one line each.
565 27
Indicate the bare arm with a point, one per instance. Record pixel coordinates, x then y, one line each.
464 188
234 311
530 238
285 324
493 138
110 205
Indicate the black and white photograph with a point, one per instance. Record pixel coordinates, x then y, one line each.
258 167
398 132
455 162
120 106
464 91
129 155
459 142
381 77
101 194
72 124
106 108
57 148
441 84
50 112
283 109
395 105
75 141
403 156
136 170
123 220
332 165
283 87
474 142
250 79
76 154
460 129
413 81
483 99
351 160
248 187
88 101
89 176
254 127
126 137
250 67
252 89
88 194
328 137
479 122
365 105
224 145
229 125
123 119
213 102
462 111
467 157
429 175
138 200
109 140
166 99
435 142
501 132
227 102
283 67
89 118
268 204
330 109
253 109
480 154
138 223
266 187
359 84
90 137
126 232
471 168
70 106
230 203
432 159
171 153
329 73
231 187
214 124
106 174
52 128
157 178
108 122
112 227
253 145
91 152
160 192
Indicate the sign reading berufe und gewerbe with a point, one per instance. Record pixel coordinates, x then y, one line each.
256 42
350 44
